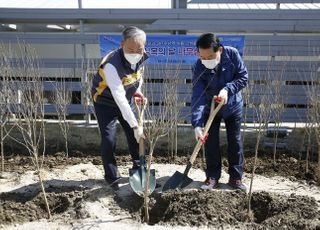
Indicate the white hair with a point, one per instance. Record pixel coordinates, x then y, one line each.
133 32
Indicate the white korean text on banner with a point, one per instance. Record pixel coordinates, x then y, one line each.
174 49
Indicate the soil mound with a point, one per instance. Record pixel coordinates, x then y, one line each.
220 208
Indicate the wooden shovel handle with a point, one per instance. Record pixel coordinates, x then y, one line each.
206 129
140 112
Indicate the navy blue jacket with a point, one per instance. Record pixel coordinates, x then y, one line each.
231 74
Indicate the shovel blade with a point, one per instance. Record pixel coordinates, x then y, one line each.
177 181
138 180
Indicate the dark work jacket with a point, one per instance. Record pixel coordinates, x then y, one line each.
230 74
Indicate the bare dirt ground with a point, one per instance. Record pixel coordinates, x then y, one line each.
284 197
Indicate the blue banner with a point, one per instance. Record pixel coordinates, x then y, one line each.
166 49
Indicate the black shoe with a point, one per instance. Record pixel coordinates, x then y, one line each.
137 166
112 180
113 183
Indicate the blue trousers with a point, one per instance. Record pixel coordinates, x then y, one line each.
235 148
107 119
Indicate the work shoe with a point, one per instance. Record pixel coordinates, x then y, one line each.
209 183
237 184
113 183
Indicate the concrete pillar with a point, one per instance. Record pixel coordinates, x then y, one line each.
179 4
84 78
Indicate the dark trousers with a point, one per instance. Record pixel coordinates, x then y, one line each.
107 119
235 148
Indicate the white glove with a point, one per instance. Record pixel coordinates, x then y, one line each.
198 132
138 133
223 94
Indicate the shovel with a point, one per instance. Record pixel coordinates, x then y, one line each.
138 177
180 180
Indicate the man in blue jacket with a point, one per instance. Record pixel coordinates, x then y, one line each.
220 72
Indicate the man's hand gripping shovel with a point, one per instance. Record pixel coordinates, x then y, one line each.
138 177
180 180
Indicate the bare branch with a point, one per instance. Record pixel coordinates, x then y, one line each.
30 107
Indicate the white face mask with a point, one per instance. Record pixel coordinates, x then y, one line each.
133 58
210 64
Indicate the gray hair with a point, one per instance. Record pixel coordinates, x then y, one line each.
132 32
